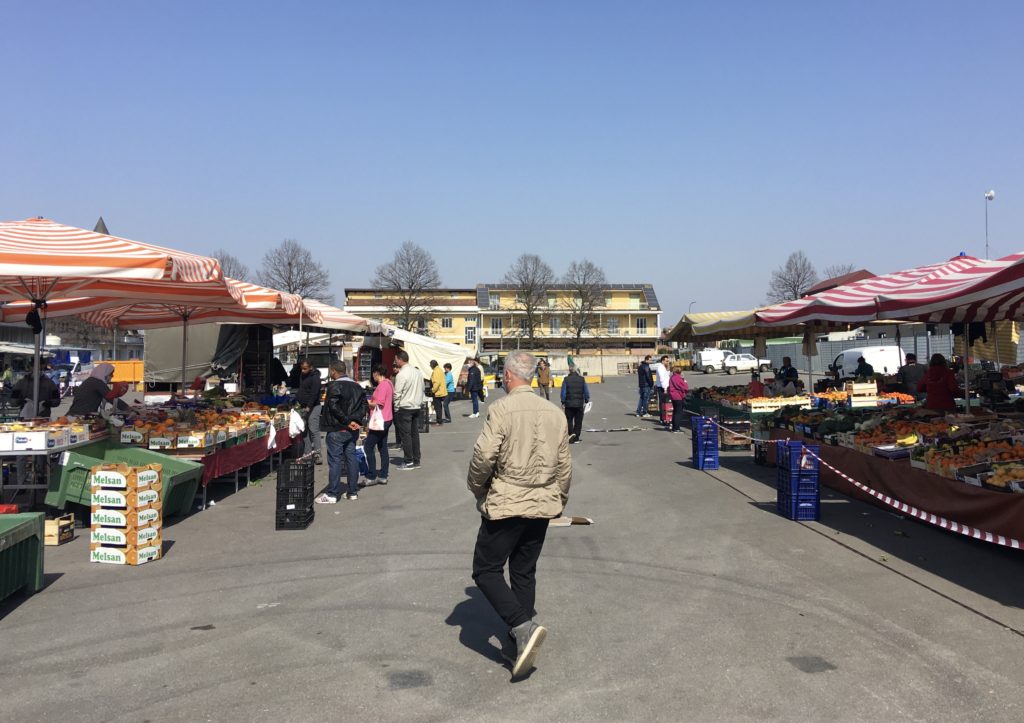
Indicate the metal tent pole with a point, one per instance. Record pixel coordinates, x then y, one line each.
184 351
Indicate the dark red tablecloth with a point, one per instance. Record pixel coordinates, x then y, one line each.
1001 513
232 459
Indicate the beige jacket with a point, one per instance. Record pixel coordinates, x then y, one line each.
521 465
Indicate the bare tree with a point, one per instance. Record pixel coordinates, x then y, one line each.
584 282
291 267
792 279
836 270
409 279
531 278
231 265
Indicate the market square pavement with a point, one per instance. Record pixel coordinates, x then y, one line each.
687 599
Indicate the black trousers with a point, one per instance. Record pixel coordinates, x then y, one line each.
439 408
677 414
518 542
662 401
574 417
408 423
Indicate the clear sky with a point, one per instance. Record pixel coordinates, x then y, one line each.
690 145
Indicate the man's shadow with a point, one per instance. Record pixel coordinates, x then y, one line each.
479 625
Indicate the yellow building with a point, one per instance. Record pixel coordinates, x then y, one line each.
628 320
450 315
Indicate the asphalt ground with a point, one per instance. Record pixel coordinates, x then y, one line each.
689 598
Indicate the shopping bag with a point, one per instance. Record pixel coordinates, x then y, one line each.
376 420
364 468
296 424
587 407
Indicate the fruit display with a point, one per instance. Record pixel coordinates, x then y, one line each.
898 397
37 435
1006 476
190 428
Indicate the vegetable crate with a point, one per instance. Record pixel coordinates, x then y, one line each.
734 434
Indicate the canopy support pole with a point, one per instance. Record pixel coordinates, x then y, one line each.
967 378
184 352
115 340
35 374
995 336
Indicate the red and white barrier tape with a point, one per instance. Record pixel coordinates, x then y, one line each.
903 507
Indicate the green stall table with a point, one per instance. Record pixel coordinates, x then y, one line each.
21 553
69 482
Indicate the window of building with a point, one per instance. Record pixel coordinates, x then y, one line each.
522 325
495 301
471 335
421 326
608 300
641 326
552 302
495 326
446 322
470 320
555 325
613 325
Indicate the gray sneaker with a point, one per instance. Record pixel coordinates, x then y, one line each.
528 637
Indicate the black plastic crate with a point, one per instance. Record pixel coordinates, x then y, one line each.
294 496
297 519
294 474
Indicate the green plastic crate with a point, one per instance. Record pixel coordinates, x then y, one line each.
69 482
21 553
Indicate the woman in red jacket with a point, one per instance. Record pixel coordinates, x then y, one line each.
677 391
940 384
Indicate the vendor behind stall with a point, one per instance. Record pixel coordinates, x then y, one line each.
911 375
94 391
49 396
755 389
864 371
940 384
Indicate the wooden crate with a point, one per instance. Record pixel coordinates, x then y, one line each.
856 389
59 530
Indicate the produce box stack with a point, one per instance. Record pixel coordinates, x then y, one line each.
735 433
862 394
294 495
126 514
797 481
705 443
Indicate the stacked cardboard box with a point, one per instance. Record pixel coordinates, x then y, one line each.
126 519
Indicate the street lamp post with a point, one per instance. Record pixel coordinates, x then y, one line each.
989 196
690 307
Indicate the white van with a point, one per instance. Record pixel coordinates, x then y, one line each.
710 360
884 359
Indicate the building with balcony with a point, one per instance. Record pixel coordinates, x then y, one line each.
450 315
627 321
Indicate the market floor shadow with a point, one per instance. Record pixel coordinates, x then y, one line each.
983 568
13 602
478 623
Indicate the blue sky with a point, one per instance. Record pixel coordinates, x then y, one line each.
691 145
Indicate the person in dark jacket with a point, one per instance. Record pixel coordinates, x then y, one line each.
643 372
308 398
49 396
575 395
94 391
475 386
342 418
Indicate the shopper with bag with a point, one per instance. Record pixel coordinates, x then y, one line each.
381 417
438 391
408 403
475 386
308 399
343 416
664 374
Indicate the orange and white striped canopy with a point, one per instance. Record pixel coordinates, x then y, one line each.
42 259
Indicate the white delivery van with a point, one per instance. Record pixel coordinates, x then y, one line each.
884 359
710 360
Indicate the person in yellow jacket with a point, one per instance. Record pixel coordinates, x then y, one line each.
439 387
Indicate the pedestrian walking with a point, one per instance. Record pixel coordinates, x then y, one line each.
678 388
408 405
475 386
449 382
544 378
439 390
382 401
308 399
664 374
643 372
342 419
575 395
520 476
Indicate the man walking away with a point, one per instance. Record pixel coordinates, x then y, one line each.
308 398
408 402
449 383
575 395
520 475
664 376
475 386
439 388
343 417
646 386
544 378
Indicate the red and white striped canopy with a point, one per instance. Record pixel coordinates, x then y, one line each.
984 291
230 301
859 301
41 259
332 317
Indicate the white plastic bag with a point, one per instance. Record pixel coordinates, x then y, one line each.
587 407
296 425
376 420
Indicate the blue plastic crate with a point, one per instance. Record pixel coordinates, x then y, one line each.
703 463
799 508
791 456
798 487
